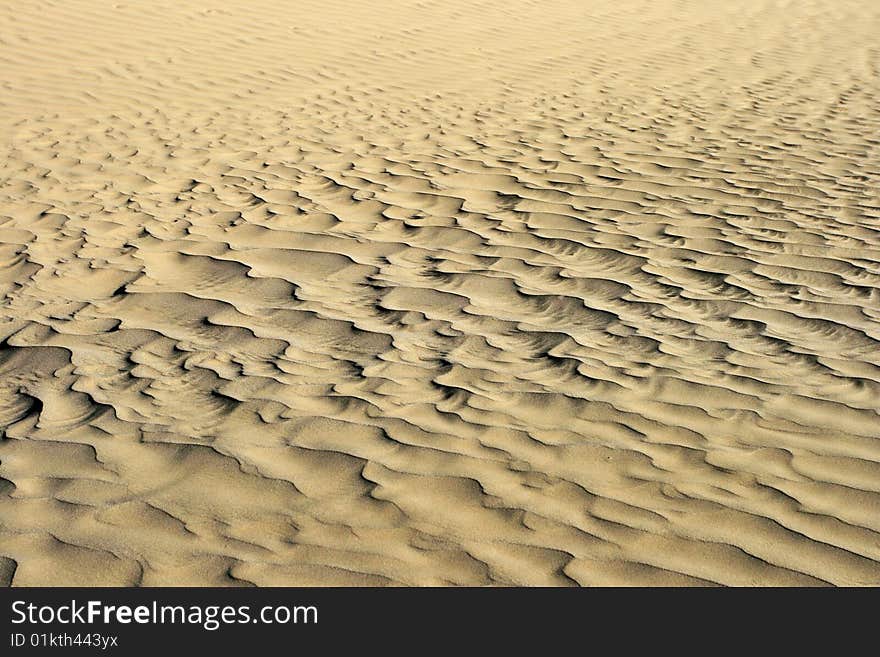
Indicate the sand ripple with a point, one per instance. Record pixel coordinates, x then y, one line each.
440 293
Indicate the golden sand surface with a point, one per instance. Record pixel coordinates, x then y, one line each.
431 292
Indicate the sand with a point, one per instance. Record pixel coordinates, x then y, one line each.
447 292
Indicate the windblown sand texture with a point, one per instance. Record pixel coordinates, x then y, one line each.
459 292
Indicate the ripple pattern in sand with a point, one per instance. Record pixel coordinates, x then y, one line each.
611 320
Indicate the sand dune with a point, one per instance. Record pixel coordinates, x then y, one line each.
440 292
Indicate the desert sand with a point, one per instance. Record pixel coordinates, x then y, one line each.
453 292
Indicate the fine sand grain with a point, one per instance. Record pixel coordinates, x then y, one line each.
429 292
